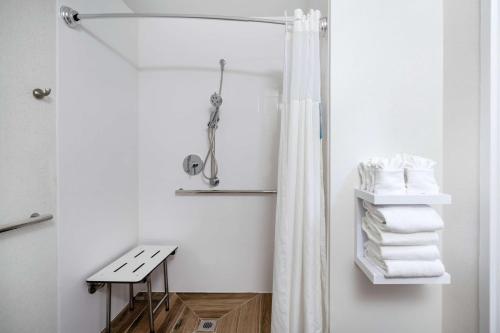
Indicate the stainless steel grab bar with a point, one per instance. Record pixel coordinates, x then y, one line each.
33 219
182 191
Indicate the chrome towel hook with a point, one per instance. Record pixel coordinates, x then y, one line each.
39 93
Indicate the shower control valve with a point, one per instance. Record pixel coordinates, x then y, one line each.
192 164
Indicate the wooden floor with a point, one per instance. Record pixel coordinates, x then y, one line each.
235 313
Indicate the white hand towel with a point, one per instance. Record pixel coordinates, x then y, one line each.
403 218
419 252
390 238
409 268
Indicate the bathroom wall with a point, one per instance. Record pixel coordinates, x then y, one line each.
259 8
97 158
461 164
28 271
226 242
386 98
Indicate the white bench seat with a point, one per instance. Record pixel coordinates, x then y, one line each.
134 266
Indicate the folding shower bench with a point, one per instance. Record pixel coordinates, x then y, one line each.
135 266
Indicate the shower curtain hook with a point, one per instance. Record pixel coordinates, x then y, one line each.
323 25
287 23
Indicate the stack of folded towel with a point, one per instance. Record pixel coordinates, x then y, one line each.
401 174
402 239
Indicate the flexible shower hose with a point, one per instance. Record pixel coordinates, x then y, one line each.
214 168
216 101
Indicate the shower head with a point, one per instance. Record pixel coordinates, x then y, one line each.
216 100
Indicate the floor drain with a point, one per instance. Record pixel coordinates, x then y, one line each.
207 325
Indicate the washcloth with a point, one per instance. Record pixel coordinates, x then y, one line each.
421 181
416 162
419 172
409 268
378 236
363 177
388 181
419 252
382 175
403 218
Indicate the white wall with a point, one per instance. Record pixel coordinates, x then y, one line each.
226 242
226 7
386 98
28 269
461 164
97 159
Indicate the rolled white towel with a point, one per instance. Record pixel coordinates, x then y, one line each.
404 218
418 252
409 268
378 236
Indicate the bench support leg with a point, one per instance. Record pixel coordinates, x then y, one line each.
108 308
150 306
165 284
131 296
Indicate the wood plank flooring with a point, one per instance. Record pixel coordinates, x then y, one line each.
234 312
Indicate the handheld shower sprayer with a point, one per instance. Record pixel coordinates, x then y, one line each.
216 98
216 101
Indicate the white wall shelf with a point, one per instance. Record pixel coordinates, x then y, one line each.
375 274
404 199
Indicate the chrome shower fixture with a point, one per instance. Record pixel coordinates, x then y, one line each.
216 98
192 164
216 101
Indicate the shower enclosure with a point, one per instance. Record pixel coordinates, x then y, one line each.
130 98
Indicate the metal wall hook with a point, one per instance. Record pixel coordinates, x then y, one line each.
39 93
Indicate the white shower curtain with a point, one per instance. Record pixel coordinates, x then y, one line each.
299 281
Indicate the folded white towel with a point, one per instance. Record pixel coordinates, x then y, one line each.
403 173
421 181
409 268
419 173
417 162
419 252
378 236
363 177
367 173
382 175
403 218
389 181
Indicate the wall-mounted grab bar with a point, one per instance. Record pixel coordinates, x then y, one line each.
182 191
33 219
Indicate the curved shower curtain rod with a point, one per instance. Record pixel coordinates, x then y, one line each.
71 17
